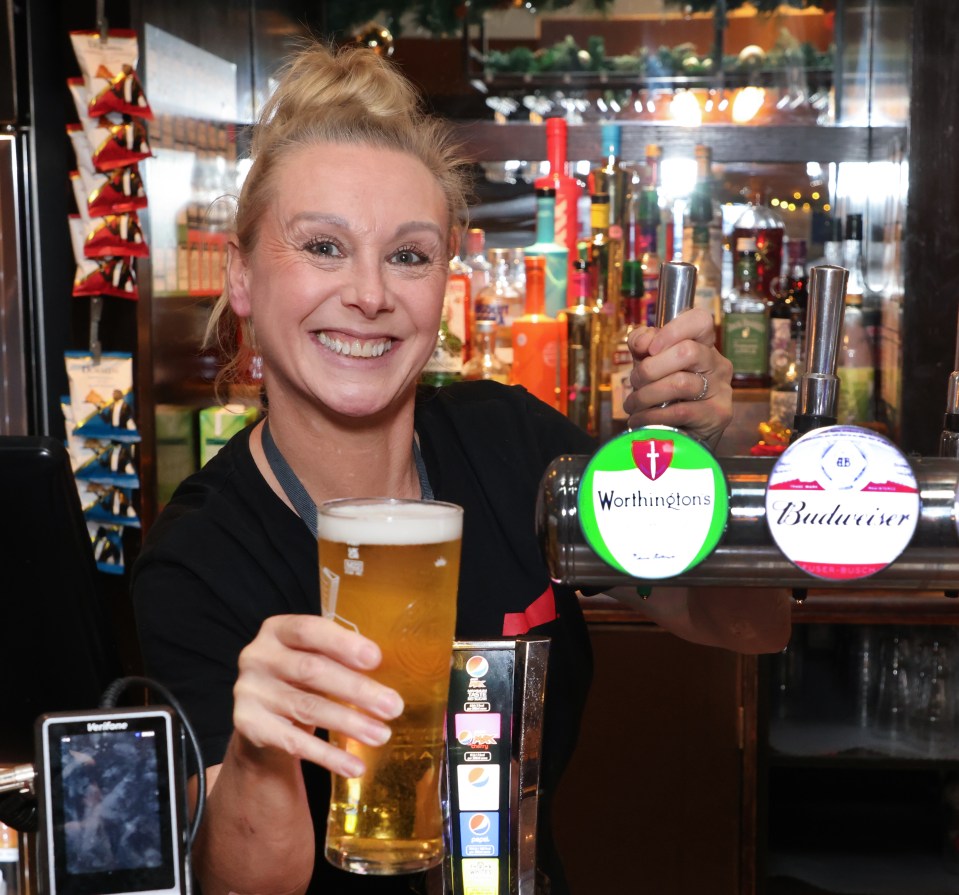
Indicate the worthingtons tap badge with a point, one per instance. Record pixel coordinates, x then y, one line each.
653 502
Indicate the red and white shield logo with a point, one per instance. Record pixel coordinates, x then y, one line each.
652 457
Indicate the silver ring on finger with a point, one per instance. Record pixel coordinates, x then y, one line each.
705 387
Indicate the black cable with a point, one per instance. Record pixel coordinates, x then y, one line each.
109 700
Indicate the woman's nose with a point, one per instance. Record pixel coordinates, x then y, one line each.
369 293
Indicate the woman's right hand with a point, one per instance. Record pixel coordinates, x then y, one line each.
303 672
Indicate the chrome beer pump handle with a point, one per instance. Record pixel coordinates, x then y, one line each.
677 286
949 439
818 397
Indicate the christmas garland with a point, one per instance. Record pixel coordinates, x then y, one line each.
759 5
681 60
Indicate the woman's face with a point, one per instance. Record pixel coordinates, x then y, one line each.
345 284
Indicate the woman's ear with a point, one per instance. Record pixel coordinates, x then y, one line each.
238 275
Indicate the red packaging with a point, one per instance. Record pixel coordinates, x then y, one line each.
109 73
116 234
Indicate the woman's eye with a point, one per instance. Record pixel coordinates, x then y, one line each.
409 256
325 248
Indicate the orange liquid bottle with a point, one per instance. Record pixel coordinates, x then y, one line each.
537 340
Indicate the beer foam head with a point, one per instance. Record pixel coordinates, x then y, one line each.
399 522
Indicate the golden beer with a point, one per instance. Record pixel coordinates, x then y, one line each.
389 569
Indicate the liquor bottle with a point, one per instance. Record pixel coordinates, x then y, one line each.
856 368
475 258
787 336
745 321
665 235
556 255
650 218
446 363
499 301
703 209
611 176
622 357
605 268
483 362
766 227
537 340
605 255
781 315
458 302
832 245
567 190
581 319
854 260
797 287
708 295
517 271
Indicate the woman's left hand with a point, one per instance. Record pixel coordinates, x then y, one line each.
679 366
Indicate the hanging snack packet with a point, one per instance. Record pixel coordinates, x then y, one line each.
109 72
112 192
111 145
115 276
107 547
114 506
80 450
115 234
101 395
108 463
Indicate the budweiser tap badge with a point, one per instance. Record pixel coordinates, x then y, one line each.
653 502
842 503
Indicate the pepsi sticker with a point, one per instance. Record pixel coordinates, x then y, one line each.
478 787
842 503
478 729
653 502
479 834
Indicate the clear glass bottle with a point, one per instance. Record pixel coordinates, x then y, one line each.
474 255
746 321
500 302
831 246
703 209
458 303
483 362
708 295
761 223
517 265
649 217
446 363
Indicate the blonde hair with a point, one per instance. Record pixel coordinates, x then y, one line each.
348 95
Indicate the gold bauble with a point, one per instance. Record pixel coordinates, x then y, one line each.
375 37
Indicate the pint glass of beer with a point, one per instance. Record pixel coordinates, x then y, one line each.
389 569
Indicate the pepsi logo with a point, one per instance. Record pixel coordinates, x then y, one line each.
479 824
478 776
477 666
465 737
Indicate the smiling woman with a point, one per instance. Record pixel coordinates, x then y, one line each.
339 262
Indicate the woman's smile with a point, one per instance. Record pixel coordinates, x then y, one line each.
353 347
